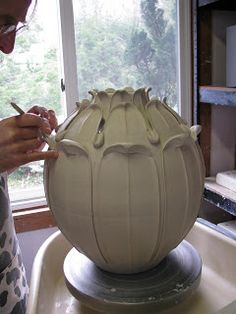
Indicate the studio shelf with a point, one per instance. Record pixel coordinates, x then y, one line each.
220 196
202 3
224 96
217 4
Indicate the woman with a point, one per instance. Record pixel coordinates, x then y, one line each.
20 143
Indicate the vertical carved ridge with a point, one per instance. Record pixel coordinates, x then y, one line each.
187 190
92 212
161 207
129 224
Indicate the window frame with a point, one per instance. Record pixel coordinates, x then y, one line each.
185 60
39 217
68 53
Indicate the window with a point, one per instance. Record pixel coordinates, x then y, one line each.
101 43
138 43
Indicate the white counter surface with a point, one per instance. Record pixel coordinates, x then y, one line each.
216 293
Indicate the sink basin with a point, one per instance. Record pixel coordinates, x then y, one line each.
215 294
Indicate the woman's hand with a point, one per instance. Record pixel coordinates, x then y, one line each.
49 115
21 138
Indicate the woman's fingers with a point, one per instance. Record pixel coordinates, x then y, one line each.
23 146
35 156
16 160
40 111
31 120
52 119
15 134
49 115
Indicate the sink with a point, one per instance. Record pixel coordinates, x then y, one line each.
215 294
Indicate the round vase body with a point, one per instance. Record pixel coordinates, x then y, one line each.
127 185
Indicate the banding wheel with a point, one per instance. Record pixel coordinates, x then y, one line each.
175 278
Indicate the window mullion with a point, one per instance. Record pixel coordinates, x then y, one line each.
184 59
68 53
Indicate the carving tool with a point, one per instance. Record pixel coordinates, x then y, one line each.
17 108
45 137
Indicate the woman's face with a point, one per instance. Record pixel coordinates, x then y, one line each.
11 13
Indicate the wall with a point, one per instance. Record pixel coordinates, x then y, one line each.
223 137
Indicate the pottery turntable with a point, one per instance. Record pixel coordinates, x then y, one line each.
162 287
125 190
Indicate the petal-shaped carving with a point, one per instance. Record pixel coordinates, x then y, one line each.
67 122
155 116
103 100
140 98
93 93
85 127
162 118
80 107
70 196
174 113
127 148
125 124
195 131
71 148
123 104
126 215
177 141
182 201
120 97
60 135
110 90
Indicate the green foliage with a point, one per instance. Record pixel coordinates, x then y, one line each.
152 51
26 176
153 17
136 52
30 77
100 46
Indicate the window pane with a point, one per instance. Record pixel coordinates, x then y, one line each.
127 43
30 75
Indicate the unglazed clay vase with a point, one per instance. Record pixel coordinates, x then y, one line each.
127 185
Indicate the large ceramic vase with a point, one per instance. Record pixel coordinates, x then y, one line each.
127 185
